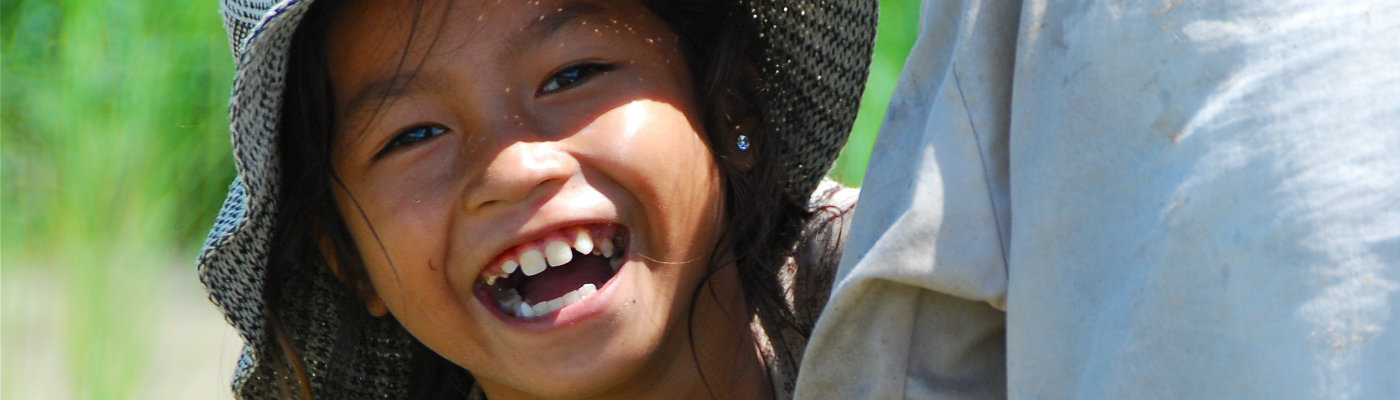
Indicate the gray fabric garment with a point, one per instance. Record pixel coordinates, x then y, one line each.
1174 200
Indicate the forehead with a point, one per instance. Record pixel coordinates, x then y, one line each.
362 31
377 47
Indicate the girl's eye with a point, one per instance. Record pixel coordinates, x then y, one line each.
411 136
571 75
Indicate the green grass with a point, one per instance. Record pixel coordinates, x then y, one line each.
114 158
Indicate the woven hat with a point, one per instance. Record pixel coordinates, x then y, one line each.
816 57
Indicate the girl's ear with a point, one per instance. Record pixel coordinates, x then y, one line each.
364 290
738 145
741 149
738 128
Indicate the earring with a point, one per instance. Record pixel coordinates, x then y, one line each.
742 142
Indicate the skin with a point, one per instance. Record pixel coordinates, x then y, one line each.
497 135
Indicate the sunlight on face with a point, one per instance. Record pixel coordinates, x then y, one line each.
636 114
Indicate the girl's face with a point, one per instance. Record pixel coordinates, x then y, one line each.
527 185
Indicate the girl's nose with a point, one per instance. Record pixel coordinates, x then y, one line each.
521 172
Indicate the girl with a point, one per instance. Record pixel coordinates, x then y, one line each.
543 199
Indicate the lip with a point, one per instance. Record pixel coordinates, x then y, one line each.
568 316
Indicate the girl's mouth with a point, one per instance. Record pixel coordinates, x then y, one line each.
537 278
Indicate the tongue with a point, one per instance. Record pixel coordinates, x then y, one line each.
557 281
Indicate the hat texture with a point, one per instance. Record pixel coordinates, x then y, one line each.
816 57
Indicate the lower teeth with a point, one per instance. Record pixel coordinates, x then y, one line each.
511 302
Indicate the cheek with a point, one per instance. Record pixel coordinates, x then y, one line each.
421 178
399 232
664 164
404 203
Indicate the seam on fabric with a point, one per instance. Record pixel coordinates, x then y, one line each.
909 354
986 174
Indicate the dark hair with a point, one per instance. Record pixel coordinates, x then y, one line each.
759 234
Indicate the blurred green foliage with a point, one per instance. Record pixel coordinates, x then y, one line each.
114 159
899 20
115 156
114 122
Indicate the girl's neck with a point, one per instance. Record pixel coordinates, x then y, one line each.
726 362
727 349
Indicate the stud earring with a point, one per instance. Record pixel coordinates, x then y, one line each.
742 142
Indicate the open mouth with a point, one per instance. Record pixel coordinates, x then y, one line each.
537 278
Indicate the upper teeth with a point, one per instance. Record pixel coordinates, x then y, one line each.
558 253
583 241
531 262
558 249
509 266
606 247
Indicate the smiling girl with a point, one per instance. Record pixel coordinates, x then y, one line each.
542 199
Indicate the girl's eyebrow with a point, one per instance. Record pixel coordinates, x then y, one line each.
387 88
548 25
381 91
